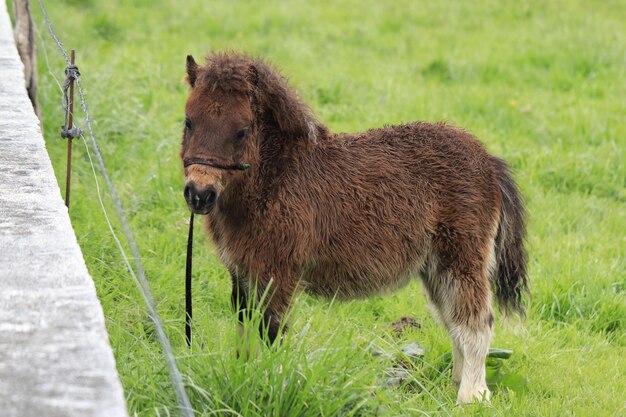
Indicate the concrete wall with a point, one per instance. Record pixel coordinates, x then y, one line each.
55 357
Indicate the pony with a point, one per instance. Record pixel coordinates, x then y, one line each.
291 205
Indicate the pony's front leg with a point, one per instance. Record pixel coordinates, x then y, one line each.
271 296
276 298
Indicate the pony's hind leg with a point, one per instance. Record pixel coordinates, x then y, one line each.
471 339
461 292
469 319
437 310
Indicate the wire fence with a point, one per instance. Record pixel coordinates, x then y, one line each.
139 276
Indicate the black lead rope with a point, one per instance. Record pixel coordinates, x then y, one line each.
188 310
241 166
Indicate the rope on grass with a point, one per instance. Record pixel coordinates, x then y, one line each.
139 278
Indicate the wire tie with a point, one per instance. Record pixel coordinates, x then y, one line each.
71 72
72 133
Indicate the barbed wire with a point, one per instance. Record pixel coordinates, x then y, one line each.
139 278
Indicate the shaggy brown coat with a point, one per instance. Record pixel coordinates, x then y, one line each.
351 215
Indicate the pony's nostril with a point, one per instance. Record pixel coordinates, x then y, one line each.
187 193
211 195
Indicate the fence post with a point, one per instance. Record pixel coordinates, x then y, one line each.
25 41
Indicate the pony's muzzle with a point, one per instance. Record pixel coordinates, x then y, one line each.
200 200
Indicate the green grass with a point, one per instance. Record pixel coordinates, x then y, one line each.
541 83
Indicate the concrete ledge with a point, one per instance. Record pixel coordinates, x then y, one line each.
55 357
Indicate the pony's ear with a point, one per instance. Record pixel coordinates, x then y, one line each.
192 70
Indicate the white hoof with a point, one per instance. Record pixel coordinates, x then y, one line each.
467 396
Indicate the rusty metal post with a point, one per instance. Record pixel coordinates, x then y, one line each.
70 120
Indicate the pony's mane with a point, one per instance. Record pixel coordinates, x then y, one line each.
228 71
240 74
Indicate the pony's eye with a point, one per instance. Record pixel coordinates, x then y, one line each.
188 123
241 135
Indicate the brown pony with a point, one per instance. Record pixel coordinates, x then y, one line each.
350 215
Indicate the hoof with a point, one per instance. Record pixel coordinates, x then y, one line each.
476 395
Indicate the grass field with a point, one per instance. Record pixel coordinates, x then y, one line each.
541 83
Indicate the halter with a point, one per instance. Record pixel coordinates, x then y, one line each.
240 166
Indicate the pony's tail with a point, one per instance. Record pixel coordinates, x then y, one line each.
509 278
